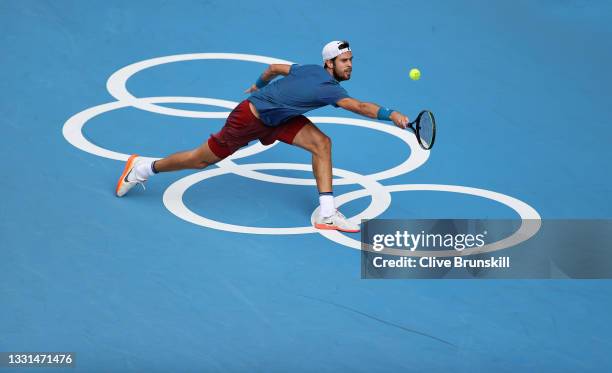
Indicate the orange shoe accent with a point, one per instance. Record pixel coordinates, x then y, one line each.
126 169
334 228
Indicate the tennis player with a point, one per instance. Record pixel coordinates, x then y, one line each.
274 112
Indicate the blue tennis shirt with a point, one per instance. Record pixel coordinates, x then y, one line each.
307 87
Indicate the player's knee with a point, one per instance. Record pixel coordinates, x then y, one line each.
196 161
323 144
200 165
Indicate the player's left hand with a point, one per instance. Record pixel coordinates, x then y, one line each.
253 88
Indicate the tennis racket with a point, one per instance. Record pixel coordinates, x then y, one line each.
424 127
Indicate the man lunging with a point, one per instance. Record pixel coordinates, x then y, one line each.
274 111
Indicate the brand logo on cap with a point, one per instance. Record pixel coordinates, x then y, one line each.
335 48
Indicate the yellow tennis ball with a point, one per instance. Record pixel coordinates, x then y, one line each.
415 74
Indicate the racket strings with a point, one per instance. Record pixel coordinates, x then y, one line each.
426 129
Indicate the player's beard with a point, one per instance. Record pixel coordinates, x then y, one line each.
340 77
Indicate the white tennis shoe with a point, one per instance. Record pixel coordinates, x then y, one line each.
336 222
124 184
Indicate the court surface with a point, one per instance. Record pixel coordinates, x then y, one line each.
521 92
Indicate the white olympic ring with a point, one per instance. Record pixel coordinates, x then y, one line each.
73 128
117 83
173 197
380 194
530 220
417 156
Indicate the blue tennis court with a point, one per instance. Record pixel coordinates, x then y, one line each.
220 270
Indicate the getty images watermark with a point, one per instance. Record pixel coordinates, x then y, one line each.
405 240
460 248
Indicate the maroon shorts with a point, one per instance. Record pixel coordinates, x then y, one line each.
242 126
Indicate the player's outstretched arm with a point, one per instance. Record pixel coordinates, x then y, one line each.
371 110
271 72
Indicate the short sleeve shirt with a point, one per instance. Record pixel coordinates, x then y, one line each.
307 87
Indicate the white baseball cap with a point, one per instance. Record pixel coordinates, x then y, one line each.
335 48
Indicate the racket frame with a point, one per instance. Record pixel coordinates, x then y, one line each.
416 129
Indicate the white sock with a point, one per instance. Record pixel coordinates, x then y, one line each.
141 172
328 208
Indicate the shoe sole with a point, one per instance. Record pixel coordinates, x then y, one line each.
334 228
128 167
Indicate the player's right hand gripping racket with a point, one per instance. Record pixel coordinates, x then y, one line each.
424 127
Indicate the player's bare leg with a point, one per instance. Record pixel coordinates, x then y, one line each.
137 170
319 145
198 158
316 142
